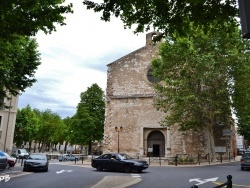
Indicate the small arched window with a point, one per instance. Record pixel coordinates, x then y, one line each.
150 76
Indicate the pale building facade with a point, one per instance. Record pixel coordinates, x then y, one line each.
7 124
129 103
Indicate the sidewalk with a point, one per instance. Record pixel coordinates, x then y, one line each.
166 163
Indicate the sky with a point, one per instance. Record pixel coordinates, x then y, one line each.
75 57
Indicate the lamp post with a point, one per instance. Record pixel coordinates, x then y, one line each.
118 130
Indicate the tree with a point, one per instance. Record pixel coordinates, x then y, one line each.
48 128
197 80
26 126
241 96
88 122
167 17
19 57
27 17
19 61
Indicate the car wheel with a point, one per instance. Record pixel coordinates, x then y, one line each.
99 168
24 169
139 171
46 169
242 168
65 159
127 169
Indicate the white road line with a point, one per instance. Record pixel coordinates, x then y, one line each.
136 175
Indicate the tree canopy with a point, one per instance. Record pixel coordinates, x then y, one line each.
27 17
241 95
88 122
19 61
197 76
19 57
167 17
45 127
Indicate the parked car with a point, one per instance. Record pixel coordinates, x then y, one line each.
36 162
11 160
20 154
240 151
3 161
118 162
245 161
68 157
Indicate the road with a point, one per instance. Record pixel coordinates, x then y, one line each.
66 175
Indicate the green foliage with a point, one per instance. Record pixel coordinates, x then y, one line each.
167 17
241 95
88 122
40 126
198 79
27 17
27 125
19 57
19 61
49 129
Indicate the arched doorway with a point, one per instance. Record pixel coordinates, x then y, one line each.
156 141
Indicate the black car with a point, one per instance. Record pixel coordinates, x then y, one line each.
36 161
245 161
118 162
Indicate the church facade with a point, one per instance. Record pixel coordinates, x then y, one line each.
129 104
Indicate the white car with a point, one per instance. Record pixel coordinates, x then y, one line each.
68 157
21 154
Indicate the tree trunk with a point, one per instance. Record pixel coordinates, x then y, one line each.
39 147
30 146
90 148
65 147
210 142
34 149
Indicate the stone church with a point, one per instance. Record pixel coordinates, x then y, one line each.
129 104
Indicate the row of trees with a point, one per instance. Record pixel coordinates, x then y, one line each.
47 130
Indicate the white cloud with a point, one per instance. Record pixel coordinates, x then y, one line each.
75 57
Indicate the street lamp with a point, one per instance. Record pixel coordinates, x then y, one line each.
118 130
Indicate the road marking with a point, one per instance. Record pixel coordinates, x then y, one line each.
202 181
136 175
61 171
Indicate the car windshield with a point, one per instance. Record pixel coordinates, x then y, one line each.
7 155
23 151
247 155
37 157
124 156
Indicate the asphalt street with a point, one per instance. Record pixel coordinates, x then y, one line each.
157 174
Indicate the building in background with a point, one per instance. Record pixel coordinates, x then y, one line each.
7 123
